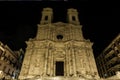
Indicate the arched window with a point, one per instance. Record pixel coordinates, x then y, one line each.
73 18
46 17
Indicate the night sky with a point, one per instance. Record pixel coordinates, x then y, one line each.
18 21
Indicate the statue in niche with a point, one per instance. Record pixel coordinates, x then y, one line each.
50 46
37 62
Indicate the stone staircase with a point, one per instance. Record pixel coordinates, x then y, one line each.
58 78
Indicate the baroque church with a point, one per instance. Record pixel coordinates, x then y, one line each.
59 51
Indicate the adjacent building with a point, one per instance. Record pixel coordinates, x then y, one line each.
59 51
10 62
108 62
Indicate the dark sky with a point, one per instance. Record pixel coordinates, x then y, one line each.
18 21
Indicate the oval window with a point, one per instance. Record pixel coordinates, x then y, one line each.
59 37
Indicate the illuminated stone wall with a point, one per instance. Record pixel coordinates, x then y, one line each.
56 42
10 62
108 61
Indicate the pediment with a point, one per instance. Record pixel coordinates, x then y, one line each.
60 24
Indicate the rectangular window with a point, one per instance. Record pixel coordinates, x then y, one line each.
59 68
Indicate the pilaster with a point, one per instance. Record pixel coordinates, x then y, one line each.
74 63
46 62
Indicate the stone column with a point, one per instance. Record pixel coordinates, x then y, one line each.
67 63
51 71
87 61
70 63
72 33
49 63
46 62
71 36
45 33
87 64
26 64
52 35
73 60
75 34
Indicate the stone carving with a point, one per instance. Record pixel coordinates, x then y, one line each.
59 54
46 49
37 62
118 74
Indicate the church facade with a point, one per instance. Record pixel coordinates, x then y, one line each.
59 51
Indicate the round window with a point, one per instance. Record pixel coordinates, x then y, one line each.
59 37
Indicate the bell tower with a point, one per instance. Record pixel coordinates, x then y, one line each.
73 16
47 15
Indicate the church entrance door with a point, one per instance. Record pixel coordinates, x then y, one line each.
59 68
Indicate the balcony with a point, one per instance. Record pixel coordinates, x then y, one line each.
116 66
109 53
112 60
